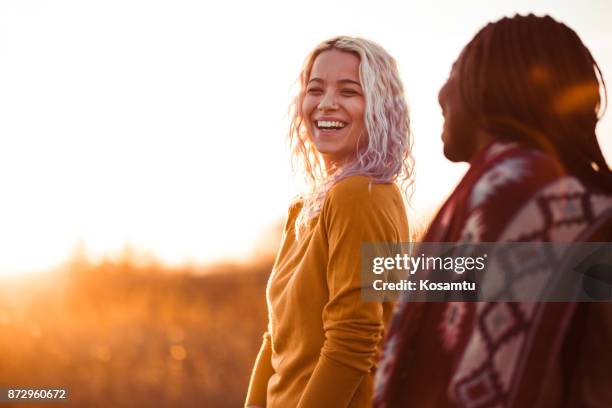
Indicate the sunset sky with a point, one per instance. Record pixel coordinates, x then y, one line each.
161 124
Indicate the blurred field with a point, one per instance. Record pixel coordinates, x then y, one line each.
121 335
132 333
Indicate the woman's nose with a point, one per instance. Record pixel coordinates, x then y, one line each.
328 101
441 95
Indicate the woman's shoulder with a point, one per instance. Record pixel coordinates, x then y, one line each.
359 200
362 191
359 187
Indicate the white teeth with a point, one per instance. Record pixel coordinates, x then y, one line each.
330 124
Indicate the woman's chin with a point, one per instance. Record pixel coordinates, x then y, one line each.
326 149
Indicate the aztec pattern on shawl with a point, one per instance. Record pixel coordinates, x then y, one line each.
509 344
501 342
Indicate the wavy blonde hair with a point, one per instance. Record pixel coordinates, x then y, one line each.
387 156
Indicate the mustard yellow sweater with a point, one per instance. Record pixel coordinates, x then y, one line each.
322 341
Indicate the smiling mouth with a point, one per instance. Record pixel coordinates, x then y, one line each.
329 124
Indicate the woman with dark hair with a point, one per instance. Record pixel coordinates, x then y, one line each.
529 80
521 106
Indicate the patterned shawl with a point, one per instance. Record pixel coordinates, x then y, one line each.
492 354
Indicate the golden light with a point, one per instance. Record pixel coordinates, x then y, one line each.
166 133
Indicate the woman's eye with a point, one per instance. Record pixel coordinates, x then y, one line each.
349 92
314 90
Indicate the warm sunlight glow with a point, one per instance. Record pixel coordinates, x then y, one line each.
161 126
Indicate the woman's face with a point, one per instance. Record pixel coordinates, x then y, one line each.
333 106
461 135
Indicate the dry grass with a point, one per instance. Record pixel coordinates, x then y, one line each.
131 334
118 335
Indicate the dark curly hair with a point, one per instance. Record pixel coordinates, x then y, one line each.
531 79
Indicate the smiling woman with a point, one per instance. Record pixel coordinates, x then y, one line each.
350 133
334 105
355 83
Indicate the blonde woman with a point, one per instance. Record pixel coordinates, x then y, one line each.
351 139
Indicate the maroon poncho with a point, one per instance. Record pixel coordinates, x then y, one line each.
491 354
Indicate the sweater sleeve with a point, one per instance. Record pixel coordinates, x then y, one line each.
262 371
353 213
